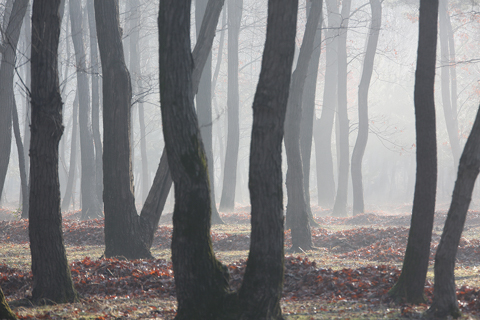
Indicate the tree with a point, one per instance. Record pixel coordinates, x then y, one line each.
52 281
5 311
227 201
297 212
7 70
411 282
444 296
91 206
340 206
363 88
199 278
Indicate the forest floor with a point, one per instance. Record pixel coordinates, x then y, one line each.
357 261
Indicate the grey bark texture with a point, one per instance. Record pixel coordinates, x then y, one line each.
52 281
410 285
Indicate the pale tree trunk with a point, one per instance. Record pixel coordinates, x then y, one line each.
444 294
297 214
340 206
52 281
204 111
7 70
91 207
227 201
364 86
410 284
21 160
323 127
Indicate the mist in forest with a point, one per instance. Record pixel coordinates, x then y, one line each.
388 165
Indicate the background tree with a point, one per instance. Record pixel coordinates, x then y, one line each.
411 282
52 281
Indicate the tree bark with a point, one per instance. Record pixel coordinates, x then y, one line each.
445 299
262 285
410 285
7 70
323 127
5 311
340 206
91 207
363 88
297 214
204 111
52 281
227 201
192 254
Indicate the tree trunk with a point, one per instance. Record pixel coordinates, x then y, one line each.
5 311
192 254
324 126
445 299
97 139
91 207
262 285
410 285
297 215
362 137
227 202
21 160
204 111
340 206
52 281
7 70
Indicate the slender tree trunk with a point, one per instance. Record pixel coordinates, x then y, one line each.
445 299
95 63
340 206
91 207
5 311
297 214
324 126
21 160
227 202
7 69
410 285
52 281
362 137
204 111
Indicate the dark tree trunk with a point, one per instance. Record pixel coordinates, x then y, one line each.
5 311
411 283
97 139
324 126
262 286
444 296
362 137
91 207
308 115
340 206
21 161
7 70
122 223
297 214
227 201
204 111
193 258
67 197
52 281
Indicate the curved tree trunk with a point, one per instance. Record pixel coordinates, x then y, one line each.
362 138
444 294
91 207
340 206
324 126
7 69
297 214
52 281
410 284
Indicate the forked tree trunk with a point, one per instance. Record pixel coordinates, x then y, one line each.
410 284
444 291
52 281
297 214
362 137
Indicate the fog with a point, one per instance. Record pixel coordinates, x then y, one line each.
389 159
